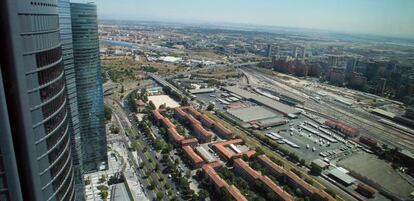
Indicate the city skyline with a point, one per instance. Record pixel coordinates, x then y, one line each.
383 17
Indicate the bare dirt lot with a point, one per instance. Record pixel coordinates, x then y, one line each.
380 172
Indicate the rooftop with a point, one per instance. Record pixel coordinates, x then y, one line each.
193 155
253 113
343 177
275 105
174 134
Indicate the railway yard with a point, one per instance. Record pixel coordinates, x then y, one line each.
319 124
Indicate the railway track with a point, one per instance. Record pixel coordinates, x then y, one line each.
359 119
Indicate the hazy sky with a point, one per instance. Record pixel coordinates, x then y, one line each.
384 17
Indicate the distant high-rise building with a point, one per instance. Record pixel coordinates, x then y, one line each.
269 50
382 83
333 60
351 64
70 82
303 52
89 86
295 52
276 52
34 140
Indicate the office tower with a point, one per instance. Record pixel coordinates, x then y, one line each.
89 86
295 52
269 50
34 104
277 51
303 52
70 82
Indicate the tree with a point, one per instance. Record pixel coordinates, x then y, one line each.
122 89
203 194
315 169
210 107
184 101
151 105
159 195
108 113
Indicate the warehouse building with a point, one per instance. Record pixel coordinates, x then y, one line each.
286 110
341 177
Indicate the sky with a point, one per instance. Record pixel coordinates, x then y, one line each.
379 17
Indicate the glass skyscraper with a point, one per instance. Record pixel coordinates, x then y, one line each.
70 80
35 157
89 86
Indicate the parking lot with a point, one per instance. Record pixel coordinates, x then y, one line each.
309 146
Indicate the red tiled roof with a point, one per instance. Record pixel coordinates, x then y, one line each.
274 166
294 177
193 155
180 112
193 111
240 163
243 165
221 147
212 174
174 134
276 189
200 129
221 129
207 120
192 120
217 164
227 142
221 183
236 194
167 123
248 153
189 141
157 114
227 154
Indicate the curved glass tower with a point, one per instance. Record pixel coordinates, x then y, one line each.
36 98
89 86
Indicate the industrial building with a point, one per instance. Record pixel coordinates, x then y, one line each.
254 113
341 176
268 102
343 128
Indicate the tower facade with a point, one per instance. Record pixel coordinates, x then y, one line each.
35 99
89 86
70 83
